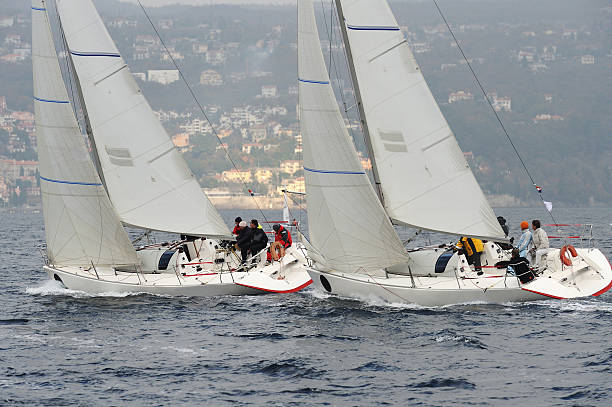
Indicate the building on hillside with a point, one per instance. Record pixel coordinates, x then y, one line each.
14 169
247 148
366 164
211 78
195 126
172 54
216 57
163 76
460 95
547 117
538 67
236 176
501 103
290 166
587 60
181 140
7 21
4 192
140 75
269 91
293 185
258 133
264 175
199 48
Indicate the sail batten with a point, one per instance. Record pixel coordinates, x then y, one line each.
81 227
425 179
347 224
146 177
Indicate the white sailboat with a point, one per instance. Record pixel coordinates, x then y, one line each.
421 179
140 181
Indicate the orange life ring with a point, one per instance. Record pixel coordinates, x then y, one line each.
563 254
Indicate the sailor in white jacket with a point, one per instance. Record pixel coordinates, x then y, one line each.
540 242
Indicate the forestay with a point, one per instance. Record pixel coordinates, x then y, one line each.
426 181
147 179
347 224
80 225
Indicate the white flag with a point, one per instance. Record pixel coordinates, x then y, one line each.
548 205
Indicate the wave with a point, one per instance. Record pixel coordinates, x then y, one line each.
578 305
181 350
14 321
459 339
52 287
289 368
445 382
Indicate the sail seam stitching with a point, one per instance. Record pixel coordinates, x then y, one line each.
404 41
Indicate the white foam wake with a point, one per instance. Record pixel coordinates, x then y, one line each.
52 287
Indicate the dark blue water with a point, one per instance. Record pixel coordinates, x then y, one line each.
60 348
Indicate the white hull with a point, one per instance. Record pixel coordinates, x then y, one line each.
590 275
191 279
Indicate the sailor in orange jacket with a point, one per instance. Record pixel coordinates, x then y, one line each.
472 248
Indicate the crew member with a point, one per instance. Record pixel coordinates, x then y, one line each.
540 242
506 229
472 248
526 241
259 239
236 226
519 266
282 241
243 241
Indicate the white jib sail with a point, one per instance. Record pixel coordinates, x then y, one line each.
426 181
81 226
147 180
346 222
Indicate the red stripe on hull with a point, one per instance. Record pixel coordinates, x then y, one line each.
279 291
545 295
603 290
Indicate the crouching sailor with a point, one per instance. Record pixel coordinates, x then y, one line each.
520 267
472 248
282 241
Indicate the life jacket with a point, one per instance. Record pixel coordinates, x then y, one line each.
471 245
283 236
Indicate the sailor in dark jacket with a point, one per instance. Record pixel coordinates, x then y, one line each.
519 266
243 241
259 239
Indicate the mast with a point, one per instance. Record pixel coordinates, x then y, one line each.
362 115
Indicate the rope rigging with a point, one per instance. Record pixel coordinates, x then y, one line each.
197 101
499 120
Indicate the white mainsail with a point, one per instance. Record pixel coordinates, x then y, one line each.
346 222
81 226
426 181
147 180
